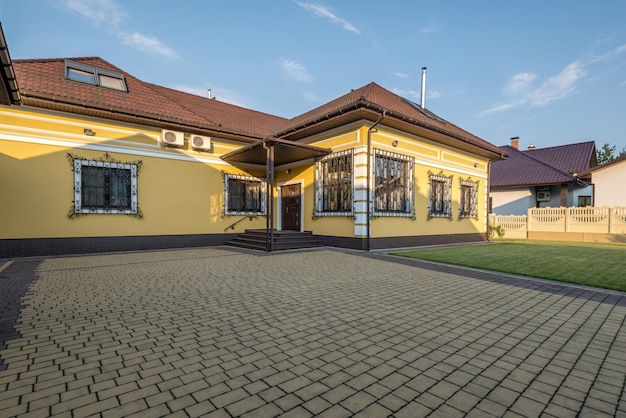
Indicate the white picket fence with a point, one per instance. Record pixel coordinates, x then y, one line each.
600 220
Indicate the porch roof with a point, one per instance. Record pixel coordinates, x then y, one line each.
285 152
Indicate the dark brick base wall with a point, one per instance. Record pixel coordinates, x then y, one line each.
37 247
400 242
43 247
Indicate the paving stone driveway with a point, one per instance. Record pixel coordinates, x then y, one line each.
225 333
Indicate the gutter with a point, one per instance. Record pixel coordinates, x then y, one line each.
36 99
8 73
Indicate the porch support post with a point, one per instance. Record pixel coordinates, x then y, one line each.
269 219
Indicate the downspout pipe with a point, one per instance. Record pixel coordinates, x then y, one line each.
369 178
269 178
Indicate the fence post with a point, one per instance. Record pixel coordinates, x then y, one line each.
567 219
611 220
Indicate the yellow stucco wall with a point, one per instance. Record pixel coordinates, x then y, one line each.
181 190
429 157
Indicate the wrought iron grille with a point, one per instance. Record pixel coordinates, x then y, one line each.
244 195
393 184
440 196
334 185
468 207
105 187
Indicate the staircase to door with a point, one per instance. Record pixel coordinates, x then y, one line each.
254 239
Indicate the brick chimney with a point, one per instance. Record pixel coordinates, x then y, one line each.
515 142
531 147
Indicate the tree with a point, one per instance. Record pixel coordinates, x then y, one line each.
606 153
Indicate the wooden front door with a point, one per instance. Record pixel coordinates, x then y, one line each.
290 207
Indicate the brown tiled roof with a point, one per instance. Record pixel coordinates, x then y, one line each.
571 158
43 83
375 99
227 116
523 169
9 91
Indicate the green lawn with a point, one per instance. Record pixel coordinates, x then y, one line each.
589 264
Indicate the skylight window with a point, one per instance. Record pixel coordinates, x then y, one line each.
89 74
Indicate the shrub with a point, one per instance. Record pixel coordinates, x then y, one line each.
496 230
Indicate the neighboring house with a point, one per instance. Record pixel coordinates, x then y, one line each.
608 183
541 177
93 159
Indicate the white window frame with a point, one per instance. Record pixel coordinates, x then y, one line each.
78 183
262 195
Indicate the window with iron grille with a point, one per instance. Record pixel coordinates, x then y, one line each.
244 195
105 187
439 200
468 203
334 184
393 184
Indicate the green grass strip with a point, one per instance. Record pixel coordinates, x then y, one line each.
588 264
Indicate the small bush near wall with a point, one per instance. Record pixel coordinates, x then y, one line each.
496 230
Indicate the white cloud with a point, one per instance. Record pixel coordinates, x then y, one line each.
416 95
400 75
554 88
324 12
429 27
519 84
608 55
295 70
110 15
557 87
97 11
146 44
499 108
433 95
311 97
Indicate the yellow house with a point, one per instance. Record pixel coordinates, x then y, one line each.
93 159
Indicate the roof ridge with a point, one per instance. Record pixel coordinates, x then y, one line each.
550 166
559 146
152 86
51 59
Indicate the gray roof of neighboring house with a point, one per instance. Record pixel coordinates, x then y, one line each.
543 166
571 158
522 168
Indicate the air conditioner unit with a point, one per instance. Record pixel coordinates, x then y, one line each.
172 138
200 142
543 196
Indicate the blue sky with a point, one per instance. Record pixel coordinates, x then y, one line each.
551 72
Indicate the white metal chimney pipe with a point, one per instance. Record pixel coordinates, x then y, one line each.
423 99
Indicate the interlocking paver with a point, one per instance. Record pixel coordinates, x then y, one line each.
221 332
